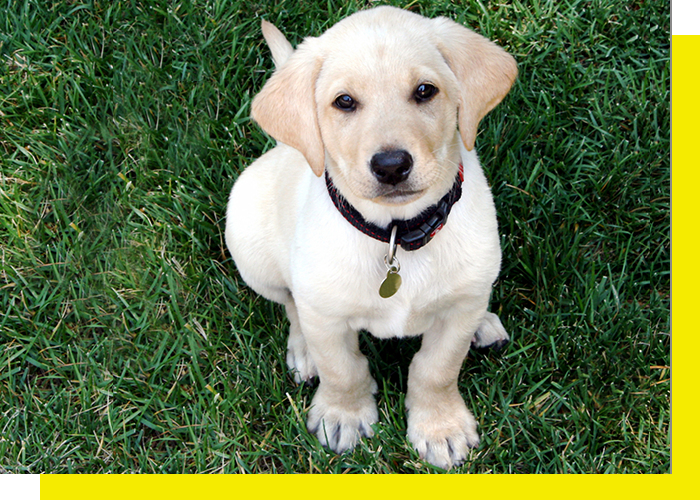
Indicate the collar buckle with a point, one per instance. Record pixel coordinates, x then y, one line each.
412 234
421 236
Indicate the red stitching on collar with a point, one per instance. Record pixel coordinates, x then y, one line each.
418 228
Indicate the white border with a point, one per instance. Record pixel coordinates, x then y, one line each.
685 17
19 486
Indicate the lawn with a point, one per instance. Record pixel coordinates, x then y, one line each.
128 342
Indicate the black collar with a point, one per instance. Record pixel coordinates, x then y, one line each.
411 234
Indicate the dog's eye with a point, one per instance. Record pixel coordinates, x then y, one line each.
345 103
425 92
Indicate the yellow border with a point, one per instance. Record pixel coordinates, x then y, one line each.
685 175
292 487
685 209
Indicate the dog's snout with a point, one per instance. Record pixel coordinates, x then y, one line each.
391 167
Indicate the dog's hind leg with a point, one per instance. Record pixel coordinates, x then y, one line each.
299 359
490 334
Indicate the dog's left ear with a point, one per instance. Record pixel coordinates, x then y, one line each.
484 70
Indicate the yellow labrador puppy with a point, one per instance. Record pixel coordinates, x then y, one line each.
373 213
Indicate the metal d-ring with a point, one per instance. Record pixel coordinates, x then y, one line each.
390 259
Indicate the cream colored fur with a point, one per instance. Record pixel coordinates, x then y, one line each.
292 246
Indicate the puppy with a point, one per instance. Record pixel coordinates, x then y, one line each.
373 213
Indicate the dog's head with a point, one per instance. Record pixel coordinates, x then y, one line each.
376 99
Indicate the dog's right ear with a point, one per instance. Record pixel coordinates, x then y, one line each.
286 106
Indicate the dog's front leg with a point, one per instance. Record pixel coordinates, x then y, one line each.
343 408
440 426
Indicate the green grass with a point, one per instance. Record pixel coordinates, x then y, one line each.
128 341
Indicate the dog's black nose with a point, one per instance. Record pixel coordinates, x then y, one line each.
391 167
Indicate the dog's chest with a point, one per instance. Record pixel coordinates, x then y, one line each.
338 271
347 288
426 295
398 319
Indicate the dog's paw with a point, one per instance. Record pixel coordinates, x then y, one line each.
442 433
490 333
299 360
340 426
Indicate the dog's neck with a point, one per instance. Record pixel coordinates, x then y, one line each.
412 234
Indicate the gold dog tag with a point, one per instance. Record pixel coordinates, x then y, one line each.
391 283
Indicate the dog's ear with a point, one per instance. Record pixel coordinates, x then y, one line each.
484 70
286 106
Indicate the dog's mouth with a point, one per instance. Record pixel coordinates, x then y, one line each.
399 196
